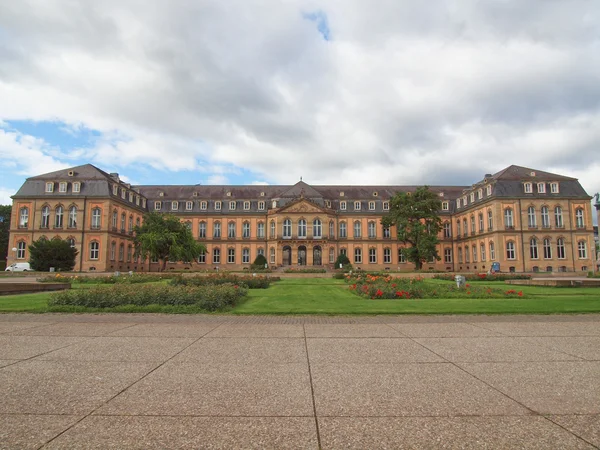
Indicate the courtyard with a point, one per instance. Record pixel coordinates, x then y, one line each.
226 381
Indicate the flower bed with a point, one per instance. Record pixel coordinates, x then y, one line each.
208 298
386 287
251 282
484 277
109 279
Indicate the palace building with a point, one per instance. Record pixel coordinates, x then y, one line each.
526 220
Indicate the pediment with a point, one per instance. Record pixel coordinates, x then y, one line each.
302 206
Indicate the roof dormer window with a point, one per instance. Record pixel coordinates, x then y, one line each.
541 188
50 187
528 188
554 188
62 187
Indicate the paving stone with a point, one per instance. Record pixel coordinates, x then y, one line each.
250 330
442 330
31 431
489 349
565 387
549 328
64 387
24 347
368 351
131 349
118 432
586 427
7 362
350 330
245 351
74 329
403 390
524 432
166 330
586 347
218 390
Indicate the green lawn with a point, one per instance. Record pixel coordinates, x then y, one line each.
329 296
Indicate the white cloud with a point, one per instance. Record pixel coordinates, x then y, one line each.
403 93
5 194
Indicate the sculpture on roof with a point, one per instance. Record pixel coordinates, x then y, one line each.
597 197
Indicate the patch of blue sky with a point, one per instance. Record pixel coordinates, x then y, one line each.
57 134
321 21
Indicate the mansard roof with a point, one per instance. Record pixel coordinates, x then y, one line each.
520 173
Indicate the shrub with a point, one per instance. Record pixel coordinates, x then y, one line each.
251 282
55 253
344 261
259 264
306 270
109 279
208 298
484 277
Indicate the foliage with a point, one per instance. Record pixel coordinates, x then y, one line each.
166 238
109 279
5 211
484 277
260 263
386 287
304 270
56 253
418 223
251 282
344 261
208 298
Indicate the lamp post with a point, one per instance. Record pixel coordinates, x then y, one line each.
14 249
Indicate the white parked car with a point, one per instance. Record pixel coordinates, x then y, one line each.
18 267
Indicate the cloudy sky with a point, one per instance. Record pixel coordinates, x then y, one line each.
267 91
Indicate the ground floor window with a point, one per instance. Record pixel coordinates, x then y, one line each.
387 255
272 255
94 250
231 255
560 248
510 250
357 255
447 255
21 250
216 256
401 256
246 256
372 256
331 255
202 257
582 249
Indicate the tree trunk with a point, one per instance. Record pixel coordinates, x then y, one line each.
164 264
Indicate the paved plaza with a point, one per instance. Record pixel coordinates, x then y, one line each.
159 381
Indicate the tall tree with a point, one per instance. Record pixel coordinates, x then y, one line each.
5 211
56 253
165 238
416 218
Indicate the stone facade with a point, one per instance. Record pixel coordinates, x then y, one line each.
523 219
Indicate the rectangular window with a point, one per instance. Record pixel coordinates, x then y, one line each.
216 255
371 206
231 255
260 230
357 256
447 255
49 187
401 256
76 187
137 200
528 188
541 187
203 205
356 206
202 230
554 188
189 206
387 255
217 206
174 206
445 206
123 193
472 197
246 206
131 197
231 206
488 190
386 206
202 257
115 189
246 230
246 256
343 206
62 187
157 206
261 205
372 256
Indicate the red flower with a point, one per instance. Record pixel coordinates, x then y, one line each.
379 293
467 285
394 285
520 294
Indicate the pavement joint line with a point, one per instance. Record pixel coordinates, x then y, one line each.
312 389
569 431
28 328
120 392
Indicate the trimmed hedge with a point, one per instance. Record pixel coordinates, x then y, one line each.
484 277
109 279
251 282
208 298
307 270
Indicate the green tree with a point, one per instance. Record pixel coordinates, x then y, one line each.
416 218
344 261
5 211
56 253
259 263
166 238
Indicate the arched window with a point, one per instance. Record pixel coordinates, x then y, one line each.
287 228
492 251
260 230
547 249
579 222
531 218
533 248
582 249
202 230
558 217
23 217
45 217
372 230
508 219
302 228
317 229
21 246
58 217
343 231
560 248
510 250
357 229
72 222
231 230
246 230
94 250
545 217
217 230
96 218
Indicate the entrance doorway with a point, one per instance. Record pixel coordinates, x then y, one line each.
287 256
317 256
302 255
